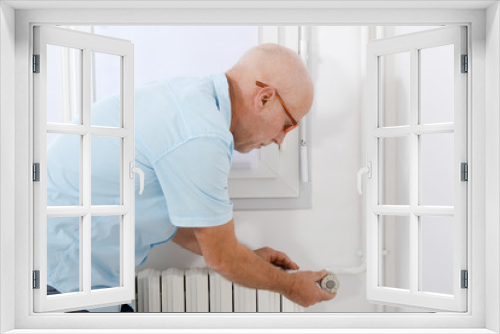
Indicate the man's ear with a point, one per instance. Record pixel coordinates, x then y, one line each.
263 96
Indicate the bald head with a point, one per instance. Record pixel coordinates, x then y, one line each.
258 115
280 68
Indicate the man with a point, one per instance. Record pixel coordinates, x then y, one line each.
186 130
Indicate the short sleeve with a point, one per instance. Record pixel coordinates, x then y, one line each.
193 178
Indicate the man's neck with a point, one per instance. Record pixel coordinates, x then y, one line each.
234 94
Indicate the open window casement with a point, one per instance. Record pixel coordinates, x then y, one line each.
62 109
416 191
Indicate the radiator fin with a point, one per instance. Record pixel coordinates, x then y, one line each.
197 290
148 282
268 301
221 293
289 306
245 299
172 290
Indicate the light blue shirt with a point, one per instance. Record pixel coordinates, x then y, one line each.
183 145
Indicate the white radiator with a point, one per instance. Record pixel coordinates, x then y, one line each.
202 290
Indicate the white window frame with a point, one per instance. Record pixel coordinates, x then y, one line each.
484 145
86 297
413 43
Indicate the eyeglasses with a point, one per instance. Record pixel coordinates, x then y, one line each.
294 124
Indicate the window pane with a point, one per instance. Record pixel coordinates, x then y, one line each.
394 92
437 170
394 270
64 89
106 170
436 251
106 268
437 82
106 81
394 166
63 169
63 251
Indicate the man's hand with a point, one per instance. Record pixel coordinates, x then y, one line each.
305 291
277 258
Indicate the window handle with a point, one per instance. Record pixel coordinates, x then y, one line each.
139 171
367 170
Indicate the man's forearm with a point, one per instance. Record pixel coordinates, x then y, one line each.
244 267
224 253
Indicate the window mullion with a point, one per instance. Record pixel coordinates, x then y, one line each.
74 129
85 251
127 190
414 171
405 210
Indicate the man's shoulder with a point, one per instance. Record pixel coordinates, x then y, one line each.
199 102
173 111
178 92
